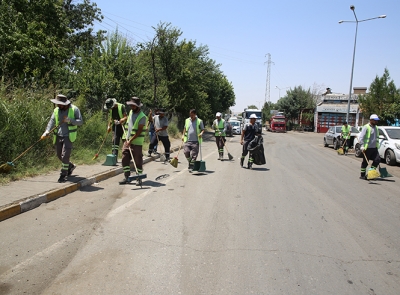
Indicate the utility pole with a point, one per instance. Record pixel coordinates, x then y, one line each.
267 86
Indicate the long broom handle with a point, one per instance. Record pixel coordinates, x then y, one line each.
179 149
129 146
104 139
225 145
28 149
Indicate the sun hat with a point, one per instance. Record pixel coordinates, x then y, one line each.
218 114
253 116
61 100
374 117
135 101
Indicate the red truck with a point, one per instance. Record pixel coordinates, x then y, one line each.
278 123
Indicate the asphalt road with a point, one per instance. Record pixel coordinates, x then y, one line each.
302 224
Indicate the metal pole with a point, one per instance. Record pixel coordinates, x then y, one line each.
352 69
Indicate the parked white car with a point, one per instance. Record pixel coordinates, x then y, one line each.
389 145
332 136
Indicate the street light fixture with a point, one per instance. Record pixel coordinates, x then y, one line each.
276 87
352 7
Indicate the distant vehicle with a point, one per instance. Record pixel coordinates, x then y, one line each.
246 117
229 131
235 127
278 123
332 137
389 145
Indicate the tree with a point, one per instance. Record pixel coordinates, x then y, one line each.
36 37
295 100
252 107
382 99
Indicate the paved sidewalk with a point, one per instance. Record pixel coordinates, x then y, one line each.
26 194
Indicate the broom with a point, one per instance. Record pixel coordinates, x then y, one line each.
97 155
174 161
372 173
6 168
229 155
340 150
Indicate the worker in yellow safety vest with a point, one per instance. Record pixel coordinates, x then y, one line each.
192 137
220 132
134 140
369 144
116 118
345 135
67 117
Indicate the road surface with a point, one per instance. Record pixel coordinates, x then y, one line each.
302 224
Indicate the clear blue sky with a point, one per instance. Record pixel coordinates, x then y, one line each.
308 46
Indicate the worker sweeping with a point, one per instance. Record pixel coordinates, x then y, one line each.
160 123
220 132
192 137
369 145
117 116
134 140
68 117
248 134
345 135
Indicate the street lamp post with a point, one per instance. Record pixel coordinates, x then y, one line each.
352 7
280 90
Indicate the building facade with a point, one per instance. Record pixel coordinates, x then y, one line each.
332 108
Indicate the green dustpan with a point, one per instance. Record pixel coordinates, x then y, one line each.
384 173
199 166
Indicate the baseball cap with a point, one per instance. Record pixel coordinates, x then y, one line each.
374 117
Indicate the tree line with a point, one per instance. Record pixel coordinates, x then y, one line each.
51 44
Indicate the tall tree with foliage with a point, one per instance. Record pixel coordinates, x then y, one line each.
38 36
295 100
382 99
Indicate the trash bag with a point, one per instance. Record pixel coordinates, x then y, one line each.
258 155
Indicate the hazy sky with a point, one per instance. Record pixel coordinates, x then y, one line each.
308 46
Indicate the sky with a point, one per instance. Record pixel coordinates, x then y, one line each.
307 45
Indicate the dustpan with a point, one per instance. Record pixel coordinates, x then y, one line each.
111 160
199 166
384 173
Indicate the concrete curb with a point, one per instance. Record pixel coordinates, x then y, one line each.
26 204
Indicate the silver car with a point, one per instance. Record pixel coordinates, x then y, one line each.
236 127
332 136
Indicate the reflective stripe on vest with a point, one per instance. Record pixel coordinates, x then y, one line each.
119 111
72 130
368 134
140 139
188 122
220 127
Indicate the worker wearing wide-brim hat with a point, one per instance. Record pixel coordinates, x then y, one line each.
369 144
219 126
134 139
249 132
67 116
117 117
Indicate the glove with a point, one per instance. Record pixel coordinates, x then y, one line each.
183 137
45 135
67 120
108 129
362 148
219 133
116 122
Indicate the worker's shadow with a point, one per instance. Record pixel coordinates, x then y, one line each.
196 173
260 169
372 181
147 184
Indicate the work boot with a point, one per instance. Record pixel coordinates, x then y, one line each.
241 162
71 169
363 176
125 181
63 178
148 154
249 165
